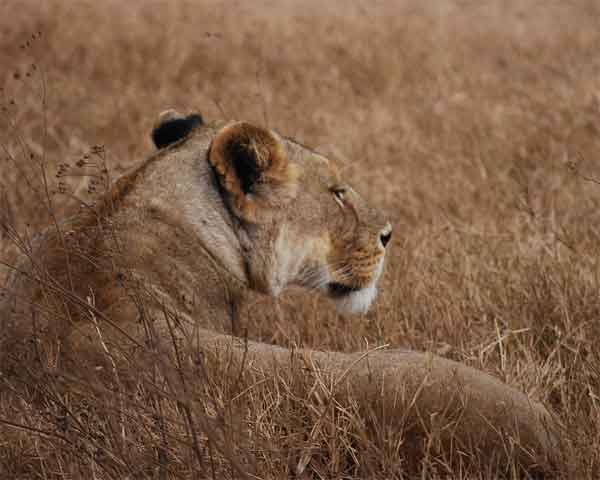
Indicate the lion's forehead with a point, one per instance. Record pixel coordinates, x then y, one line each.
315 166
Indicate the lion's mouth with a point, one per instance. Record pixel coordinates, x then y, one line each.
337 289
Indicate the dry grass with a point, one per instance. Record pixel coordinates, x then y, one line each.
477 126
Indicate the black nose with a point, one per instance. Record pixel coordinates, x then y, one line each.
385 237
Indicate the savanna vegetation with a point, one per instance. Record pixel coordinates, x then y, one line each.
474 125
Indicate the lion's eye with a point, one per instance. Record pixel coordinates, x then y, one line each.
339 193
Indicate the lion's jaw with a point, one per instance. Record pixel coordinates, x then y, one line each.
355 300
311 263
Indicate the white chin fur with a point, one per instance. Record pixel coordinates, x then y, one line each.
357 302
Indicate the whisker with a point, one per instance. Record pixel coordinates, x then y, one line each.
318 278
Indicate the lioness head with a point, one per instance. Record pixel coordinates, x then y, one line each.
297 221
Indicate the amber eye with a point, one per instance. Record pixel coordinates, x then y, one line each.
339 193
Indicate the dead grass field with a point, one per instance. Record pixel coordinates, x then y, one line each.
475 125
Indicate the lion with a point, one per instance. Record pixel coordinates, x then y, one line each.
163 261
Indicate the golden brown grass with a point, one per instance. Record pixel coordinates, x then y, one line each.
476 126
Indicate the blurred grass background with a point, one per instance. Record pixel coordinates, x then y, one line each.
475 125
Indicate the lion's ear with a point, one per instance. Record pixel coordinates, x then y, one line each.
253 170
172 126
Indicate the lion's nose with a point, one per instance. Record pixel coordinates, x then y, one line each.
385 235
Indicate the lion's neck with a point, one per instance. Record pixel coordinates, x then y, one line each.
185 216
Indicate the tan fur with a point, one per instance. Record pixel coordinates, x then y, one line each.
180 232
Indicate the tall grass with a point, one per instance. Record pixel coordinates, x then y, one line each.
475 126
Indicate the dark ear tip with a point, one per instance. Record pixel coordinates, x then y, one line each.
173 126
